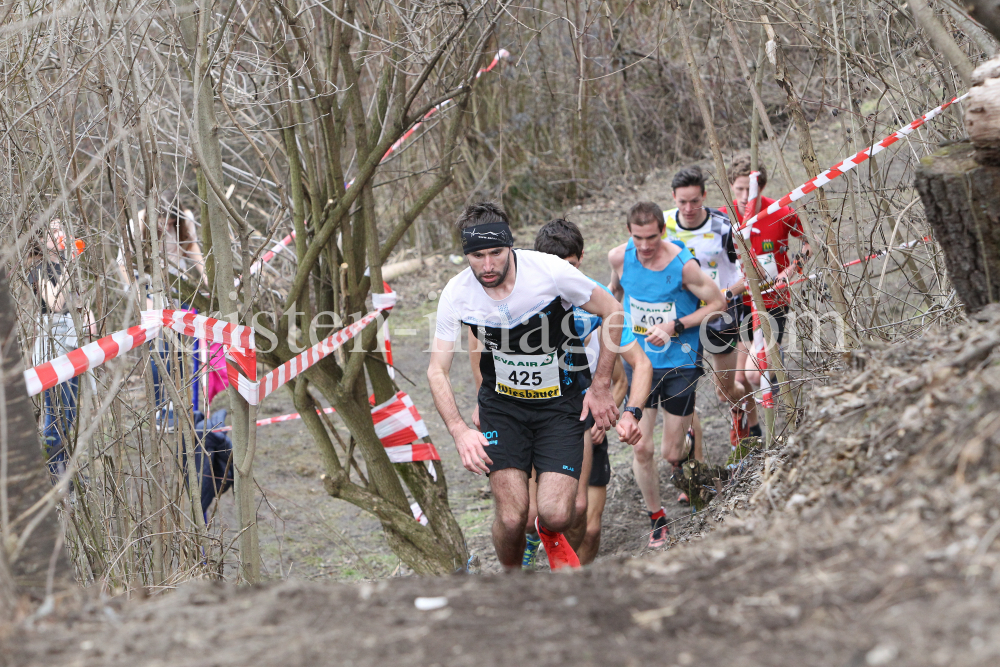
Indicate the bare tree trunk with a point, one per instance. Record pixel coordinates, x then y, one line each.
24 480
941 40
194 28
961 202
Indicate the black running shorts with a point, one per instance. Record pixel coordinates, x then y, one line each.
719 342
673 389
600 472
521 435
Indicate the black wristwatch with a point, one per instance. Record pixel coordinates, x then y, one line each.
679 327
636 412
729 295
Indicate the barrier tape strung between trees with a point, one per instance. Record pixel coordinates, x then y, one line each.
798 193
397 422
398 425
502 54
79 361
853 262
255 392
846 165
238 341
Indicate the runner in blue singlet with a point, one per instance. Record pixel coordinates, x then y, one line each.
660 285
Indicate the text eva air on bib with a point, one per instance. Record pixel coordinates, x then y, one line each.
527 376
647 315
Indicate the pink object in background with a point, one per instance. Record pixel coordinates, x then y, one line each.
215 378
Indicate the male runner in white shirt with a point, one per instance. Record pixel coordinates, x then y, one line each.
532 409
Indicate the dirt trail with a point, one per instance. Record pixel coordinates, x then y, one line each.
305 534
868 538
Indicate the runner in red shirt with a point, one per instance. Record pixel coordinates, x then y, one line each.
770 242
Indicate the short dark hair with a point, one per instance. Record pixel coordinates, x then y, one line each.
561 238
687 177
740 166
483 213
644 213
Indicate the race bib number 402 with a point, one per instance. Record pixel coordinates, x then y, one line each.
647 315
527 376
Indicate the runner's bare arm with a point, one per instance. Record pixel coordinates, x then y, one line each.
616 258
698 283
619 381
470 443
610 310
475 354
598 400
642 379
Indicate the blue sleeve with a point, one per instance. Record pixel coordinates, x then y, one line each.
627 334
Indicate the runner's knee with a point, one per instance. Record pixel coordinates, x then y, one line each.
643 451
512 520
556 518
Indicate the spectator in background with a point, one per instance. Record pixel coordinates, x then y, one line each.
49 279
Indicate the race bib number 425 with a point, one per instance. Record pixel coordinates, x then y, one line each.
647 315
527 376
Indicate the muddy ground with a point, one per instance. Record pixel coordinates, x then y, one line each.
867 537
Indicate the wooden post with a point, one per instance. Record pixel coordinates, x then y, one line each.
960 188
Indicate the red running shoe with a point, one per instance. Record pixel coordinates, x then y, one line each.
557 548
661 531
683 499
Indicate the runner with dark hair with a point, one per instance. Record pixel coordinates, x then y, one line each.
531 404
708 235
563 239
660 285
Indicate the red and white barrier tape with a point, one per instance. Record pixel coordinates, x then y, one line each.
277 420
874 255
205 328
238 340
502 54
255 392
846 165
79 361
269 255
398 426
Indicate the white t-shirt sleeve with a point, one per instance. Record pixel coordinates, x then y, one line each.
571 283
448 326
